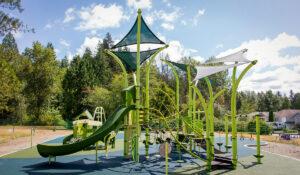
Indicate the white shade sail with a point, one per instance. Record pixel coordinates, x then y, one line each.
235 57
204 71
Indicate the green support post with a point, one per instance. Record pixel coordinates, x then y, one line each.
190 93
234 87
258 155
209 116
226 132
137 95
147 99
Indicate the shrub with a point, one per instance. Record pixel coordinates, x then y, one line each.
265 129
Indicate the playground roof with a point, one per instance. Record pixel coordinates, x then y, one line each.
129 58
235 57
203 71
147 36
182 66
86 114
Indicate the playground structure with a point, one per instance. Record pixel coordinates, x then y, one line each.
85 124
135 113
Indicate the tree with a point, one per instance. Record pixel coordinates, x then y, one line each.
271 116
10 87
41 81
296 101
9 43
7 22
64 63
286 103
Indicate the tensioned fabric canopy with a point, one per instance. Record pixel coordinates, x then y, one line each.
147 36
204 71
235 57
129 58
182 66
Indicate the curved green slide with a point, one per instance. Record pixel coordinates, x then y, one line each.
111 124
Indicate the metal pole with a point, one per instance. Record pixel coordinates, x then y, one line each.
258 139
137 96
226 132
96 152
31 135
166 157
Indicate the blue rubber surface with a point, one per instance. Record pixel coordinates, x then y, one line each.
114 164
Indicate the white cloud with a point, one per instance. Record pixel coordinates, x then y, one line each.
200 13
169 17
69 15
101 16
48 26
183 22
273 70
89 42
143 4
64 43
149 19
168 26
176 51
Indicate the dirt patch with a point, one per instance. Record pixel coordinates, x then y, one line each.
12 140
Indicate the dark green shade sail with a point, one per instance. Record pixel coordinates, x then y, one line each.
129 58
183 67
147 36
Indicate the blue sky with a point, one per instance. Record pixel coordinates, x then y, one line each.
198 28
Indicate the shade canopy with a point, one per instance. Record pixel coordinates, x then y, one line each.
129 58
235 57
182 66
147 36
204 71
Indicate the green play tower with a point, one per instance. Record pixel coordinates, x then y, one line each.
131 62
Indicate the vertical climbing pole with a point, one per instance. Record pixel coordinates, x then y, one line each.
226 132
211 117
258 155
190 101
234 87
190 93
137 95
233 118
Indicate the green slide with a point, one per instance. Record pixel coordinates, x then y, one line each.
111 124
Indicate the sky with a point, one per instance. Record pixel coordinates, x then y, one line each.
269 29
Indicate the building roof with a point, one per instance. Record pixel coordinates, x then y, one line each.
286 113
293 118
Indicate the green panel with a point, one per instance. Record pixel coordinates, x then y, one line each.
183 67
129 58
111 124
147 36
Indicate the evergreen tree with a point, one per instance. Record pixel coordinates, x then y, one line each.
41 81
64 63
9 43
